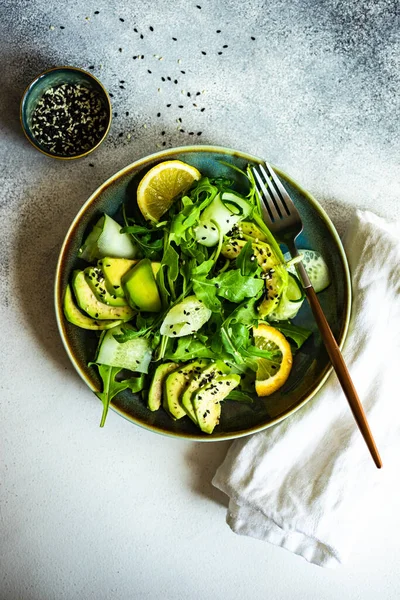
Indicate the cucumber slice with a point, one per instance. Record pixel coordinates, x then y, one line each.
290 301
316 268
294 290
134 355
105 239
185 318
226 210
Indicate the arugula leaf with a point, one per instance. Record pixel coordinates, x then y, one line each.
239 396
170 260
246 261
189 348
111 387
298 334
235 287
206 291
143 237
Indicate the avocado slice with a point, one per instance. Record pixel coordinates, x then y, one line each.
207 400
88 302
114 269
140 287
175 385
265 256
76 317
251 229
277 278
199 380
95 278
156 388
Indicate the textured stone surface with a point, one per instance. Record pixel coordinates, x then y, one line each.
122 513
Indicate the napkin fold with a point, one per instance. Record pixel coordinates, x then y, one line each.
308 483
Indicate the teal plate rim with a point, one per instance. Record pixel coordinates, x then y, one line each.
163 155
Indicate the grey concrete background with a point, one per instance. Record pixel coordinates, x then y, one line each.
122 513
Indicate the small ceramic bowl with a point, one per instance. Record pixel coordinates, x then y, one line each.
54 78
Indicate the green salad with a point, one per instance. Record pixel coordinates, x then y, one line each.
193 306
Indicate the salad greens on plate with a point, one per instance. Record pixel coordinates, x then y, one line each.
193 299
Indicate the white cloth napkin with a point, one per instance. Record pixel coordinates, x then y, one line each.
309 482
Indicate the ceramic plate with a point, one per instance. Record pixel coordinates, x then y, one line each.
311 365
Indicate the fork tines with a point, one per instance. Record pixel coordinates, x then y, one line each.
279 205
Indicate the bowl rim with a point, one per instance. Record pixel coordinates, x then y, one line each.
25 95
140 163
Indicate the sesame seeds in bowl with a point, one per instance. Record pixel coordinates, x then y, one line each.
66 113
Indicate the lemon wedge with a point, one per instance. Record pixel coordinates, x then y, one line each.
272 373
162 185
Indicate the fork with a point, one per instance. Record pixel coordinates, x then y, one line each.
284 221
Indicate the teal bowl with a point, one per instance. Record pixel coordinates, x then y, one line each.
311 364
52 78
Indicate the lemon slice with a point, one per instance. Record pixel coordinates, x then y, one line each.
161 185
272 373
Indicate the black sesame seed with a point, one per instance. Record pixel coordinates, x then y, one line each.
91 165
180 106
122 20
121 87
252 38
175 40
225 46
62 27
174 333
199 133
135 30
115 114
120 134
127 113
96 12
204 53
204 238
96 315
184 72
148 70
122 81
164 143
141 36
202 109
116 287
168 105
218 31
151 28
119 49
158 114
162 78
163 133
110 94
91 67
175 81
219 53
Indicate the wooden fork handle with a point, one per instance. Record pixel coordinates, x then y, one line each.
343 374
